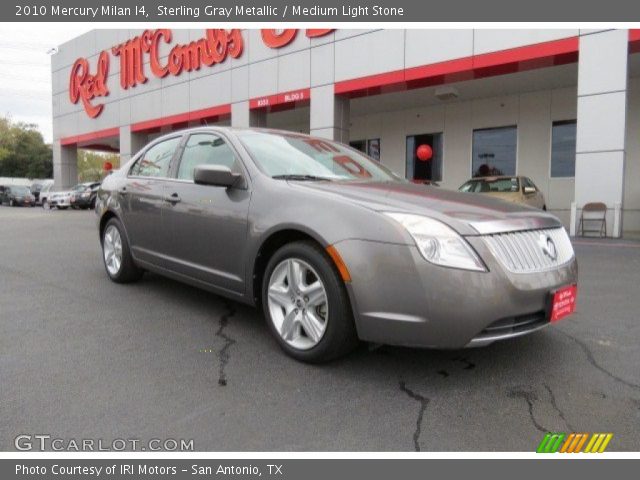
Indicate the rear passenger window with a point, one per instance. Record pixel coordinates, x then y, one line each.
155 161
205 149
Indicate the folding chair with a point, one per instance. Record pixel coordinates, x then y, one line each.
595 212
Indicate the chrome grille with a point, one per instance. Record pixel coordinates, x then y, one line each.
522 252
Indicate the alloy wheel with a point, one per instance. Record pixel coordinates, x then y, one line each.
112 249
298 303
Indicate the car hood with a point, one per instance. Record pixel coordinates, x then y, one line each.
467 213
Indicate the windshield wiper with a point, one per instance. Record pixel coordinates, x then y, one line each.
300 177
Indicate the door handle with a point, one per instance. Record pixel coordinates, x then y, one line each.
172 199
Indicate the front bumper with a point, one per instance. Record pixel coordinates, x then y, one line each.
60 202
399 298
80 202
23 202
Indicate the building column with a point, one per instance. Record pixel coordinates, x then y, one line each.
65 165
130 143
330 114
601 125
243 116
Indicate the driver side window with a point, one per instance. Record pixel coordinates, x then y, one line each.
205 149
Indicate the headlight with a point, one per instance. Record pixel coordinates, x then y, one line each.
439 243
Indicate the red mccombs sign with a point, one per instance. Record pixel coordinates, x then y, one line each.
215 46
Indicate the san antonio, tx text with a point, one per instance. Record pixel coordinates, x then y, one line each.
353 11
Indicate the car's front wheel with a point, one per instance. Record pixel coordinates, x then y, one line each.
306 304
117 255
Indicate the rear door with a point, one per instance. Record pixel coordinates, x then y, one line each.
142 200
208 224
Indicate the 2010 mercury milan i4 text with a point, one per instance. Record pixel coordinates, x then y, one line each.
331 245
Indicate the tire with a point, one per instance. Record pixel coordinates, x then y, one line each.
338 336
126 271
46 205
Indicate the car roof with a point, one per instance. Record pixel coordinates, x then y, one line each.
495 177
225 129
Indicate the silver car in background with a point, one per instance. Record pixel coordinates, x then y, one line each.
333 247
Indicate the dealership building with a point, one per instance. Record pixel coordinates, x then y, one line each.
561 107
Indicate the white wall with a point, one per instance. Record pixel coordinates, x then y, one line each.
631 202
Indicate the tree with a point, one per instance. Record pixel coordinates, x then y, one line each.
23 152
91 164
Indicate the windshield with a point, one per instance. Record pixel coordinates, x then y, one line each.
484 185
20 190
291 155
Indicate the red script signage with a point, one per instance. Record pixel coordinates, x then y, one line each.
85 86
213 48
210 50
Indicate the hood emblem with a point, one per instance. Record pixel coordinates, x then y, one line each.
548 246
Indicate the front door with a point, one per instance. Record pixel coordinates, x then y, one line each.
208 224
142 201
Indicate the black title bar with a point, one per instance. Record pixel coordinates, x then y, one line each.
320 10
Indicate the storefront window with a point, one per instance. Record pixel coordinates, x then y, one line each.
424 171
563 149
494 151
371 147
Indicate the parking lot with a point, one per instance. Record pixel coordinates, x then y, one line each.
82 357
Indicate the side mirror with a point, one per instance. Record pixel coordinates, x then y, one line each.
215 175
529 190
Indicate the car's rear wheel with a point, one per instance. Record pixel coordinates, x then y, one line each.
46 205
116 254
306 304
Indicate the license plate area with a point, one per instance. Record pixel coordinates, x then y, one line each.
562 303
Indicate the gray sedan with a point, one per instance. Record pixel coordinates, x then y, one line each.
333 247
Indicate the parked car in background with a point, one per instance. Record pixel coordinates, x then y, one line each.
333 246
44 194
59 200
516 189
38 186
83 195
17 196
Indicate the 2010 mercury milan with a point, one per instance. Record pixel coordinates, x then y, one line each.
331 245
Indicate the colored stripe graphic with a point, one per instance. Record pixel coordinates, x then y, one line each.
598 442
574 443
550 443
558 442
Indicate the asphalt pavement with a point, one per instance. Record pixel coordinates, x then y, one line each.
84 358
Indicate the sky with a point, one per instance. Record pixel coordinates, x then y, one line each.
25 70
